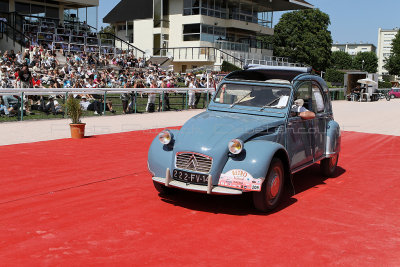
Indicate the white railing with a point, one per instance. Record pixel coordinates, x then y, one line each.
22 93
52 91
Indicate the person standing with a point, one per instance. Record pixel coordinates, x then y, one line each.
166 98
192 94
152 97
25 77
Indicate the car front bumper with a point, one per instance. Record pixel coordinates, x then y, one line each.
207 189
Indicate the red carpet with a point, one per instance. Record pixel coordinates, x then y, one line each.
92 202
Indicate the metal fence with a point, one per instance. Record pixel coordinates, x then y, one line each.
105 92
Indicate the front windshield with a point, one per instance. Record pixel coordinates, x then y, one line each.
253 96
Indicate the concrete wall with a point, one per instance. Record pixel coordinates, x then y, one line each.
143 35
9 45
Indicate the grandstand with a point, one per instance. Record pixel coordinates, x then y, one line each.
57 26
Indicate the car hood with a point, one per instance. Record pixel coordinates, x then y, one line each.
209 132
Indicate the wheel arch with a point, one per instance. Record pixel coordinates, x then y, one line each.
283 156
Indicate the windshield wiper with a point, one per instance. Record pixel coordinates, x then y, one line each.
269 104
240 100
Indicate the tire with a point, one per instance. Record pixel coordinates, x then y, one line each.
162 189
388 98
328 165
272 189
392 96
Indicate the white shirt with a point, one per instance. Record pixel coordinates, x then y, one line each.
85 104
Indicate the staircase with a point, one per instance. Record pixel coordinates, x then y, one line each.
160 60
12 39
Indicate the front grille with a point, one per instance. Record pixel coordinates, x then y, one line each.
193 162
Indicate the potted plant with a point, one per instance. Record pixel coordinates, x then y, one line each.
74 112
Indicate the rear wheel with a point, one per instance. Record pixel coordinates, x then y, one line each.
272 189
162 189
328 166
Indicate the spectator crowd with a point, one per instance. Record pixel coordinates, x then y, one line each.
37 67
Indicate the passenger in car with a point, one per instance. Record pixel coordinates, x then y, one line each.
299 109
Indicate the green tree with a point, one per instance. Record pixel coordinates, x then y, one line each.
334 76
341 60
303 36
367 61
392 64
107 29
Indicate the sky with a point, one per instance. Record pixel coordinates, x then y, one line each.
351 20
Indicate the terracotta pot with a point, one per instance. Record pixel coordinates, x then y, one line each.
77 130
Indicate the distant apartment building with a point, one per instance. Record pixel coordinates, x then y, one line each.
199 32
354 49
385 39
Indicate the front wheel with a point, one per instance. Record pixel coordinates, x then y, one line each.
328 166
272 189
392 96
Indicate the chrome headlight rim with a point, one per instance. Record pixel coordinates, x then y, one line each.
165 137
235 146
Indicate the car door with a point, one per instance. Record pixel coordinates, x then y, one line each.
298 138
318 131
397 92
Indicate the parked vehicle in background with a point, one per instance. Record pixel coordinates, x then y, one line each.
263 125
394 93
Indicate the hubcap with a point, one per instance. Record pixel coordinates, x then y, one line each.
275 183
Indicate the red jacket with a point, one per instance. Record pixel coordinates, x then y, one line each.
36 83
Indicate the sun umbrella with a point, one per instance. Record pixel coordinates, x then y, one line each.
367 81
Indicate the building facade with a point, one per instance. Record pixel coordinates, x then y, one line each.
199 32
385 39
354 49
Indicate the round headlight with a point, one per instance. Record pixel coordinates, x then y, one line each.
235 146
165 137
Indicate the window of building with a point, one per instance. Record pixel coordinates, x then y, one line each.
212 33
203 32
4 6
191 32
214 8
191 7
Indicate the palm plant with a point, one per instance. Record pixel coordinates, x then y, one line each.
74 109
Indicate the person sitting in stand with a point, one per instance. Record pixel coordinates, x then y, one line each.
52 106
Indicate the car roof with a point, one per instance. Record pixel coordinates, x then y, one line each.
273 74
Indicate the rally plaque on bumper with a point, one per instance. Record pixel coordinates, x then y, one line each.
188 177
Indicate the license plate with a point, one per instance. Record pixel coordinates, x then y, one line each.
191 178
